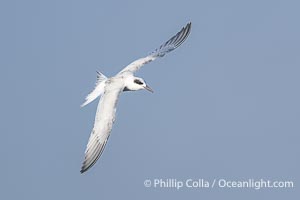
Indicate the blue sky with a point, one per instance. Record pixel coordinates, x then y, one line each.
226 103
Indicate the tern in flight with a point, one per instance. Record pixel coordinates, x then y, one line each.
110 88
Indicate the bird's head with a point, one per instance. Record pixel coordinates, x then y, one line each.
135 83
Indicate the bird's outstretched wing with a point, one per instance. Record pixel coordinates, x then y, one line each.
104 120
166 47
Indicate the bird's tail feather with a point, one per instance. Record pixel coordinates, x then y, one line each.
98 90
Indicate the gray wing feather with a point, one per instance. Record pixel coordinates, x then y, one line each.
104 120
93 155
166 47
174 42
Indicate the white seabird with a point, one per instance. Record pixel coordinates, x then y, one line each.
110 88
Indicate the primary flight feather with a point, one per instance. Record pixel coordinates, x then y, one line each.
110 88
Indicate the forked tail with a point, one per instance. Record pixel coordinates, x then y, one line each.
98 90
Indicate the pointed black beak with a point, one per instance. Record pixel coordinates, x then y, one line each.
148 88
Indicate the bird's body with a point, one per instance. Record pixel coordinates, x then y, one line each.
110 88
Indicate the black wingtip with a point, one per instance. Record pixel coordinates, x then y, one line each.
188 25
183 34
84 168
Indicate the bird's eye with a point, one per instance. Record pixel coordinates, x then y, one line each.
137 81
